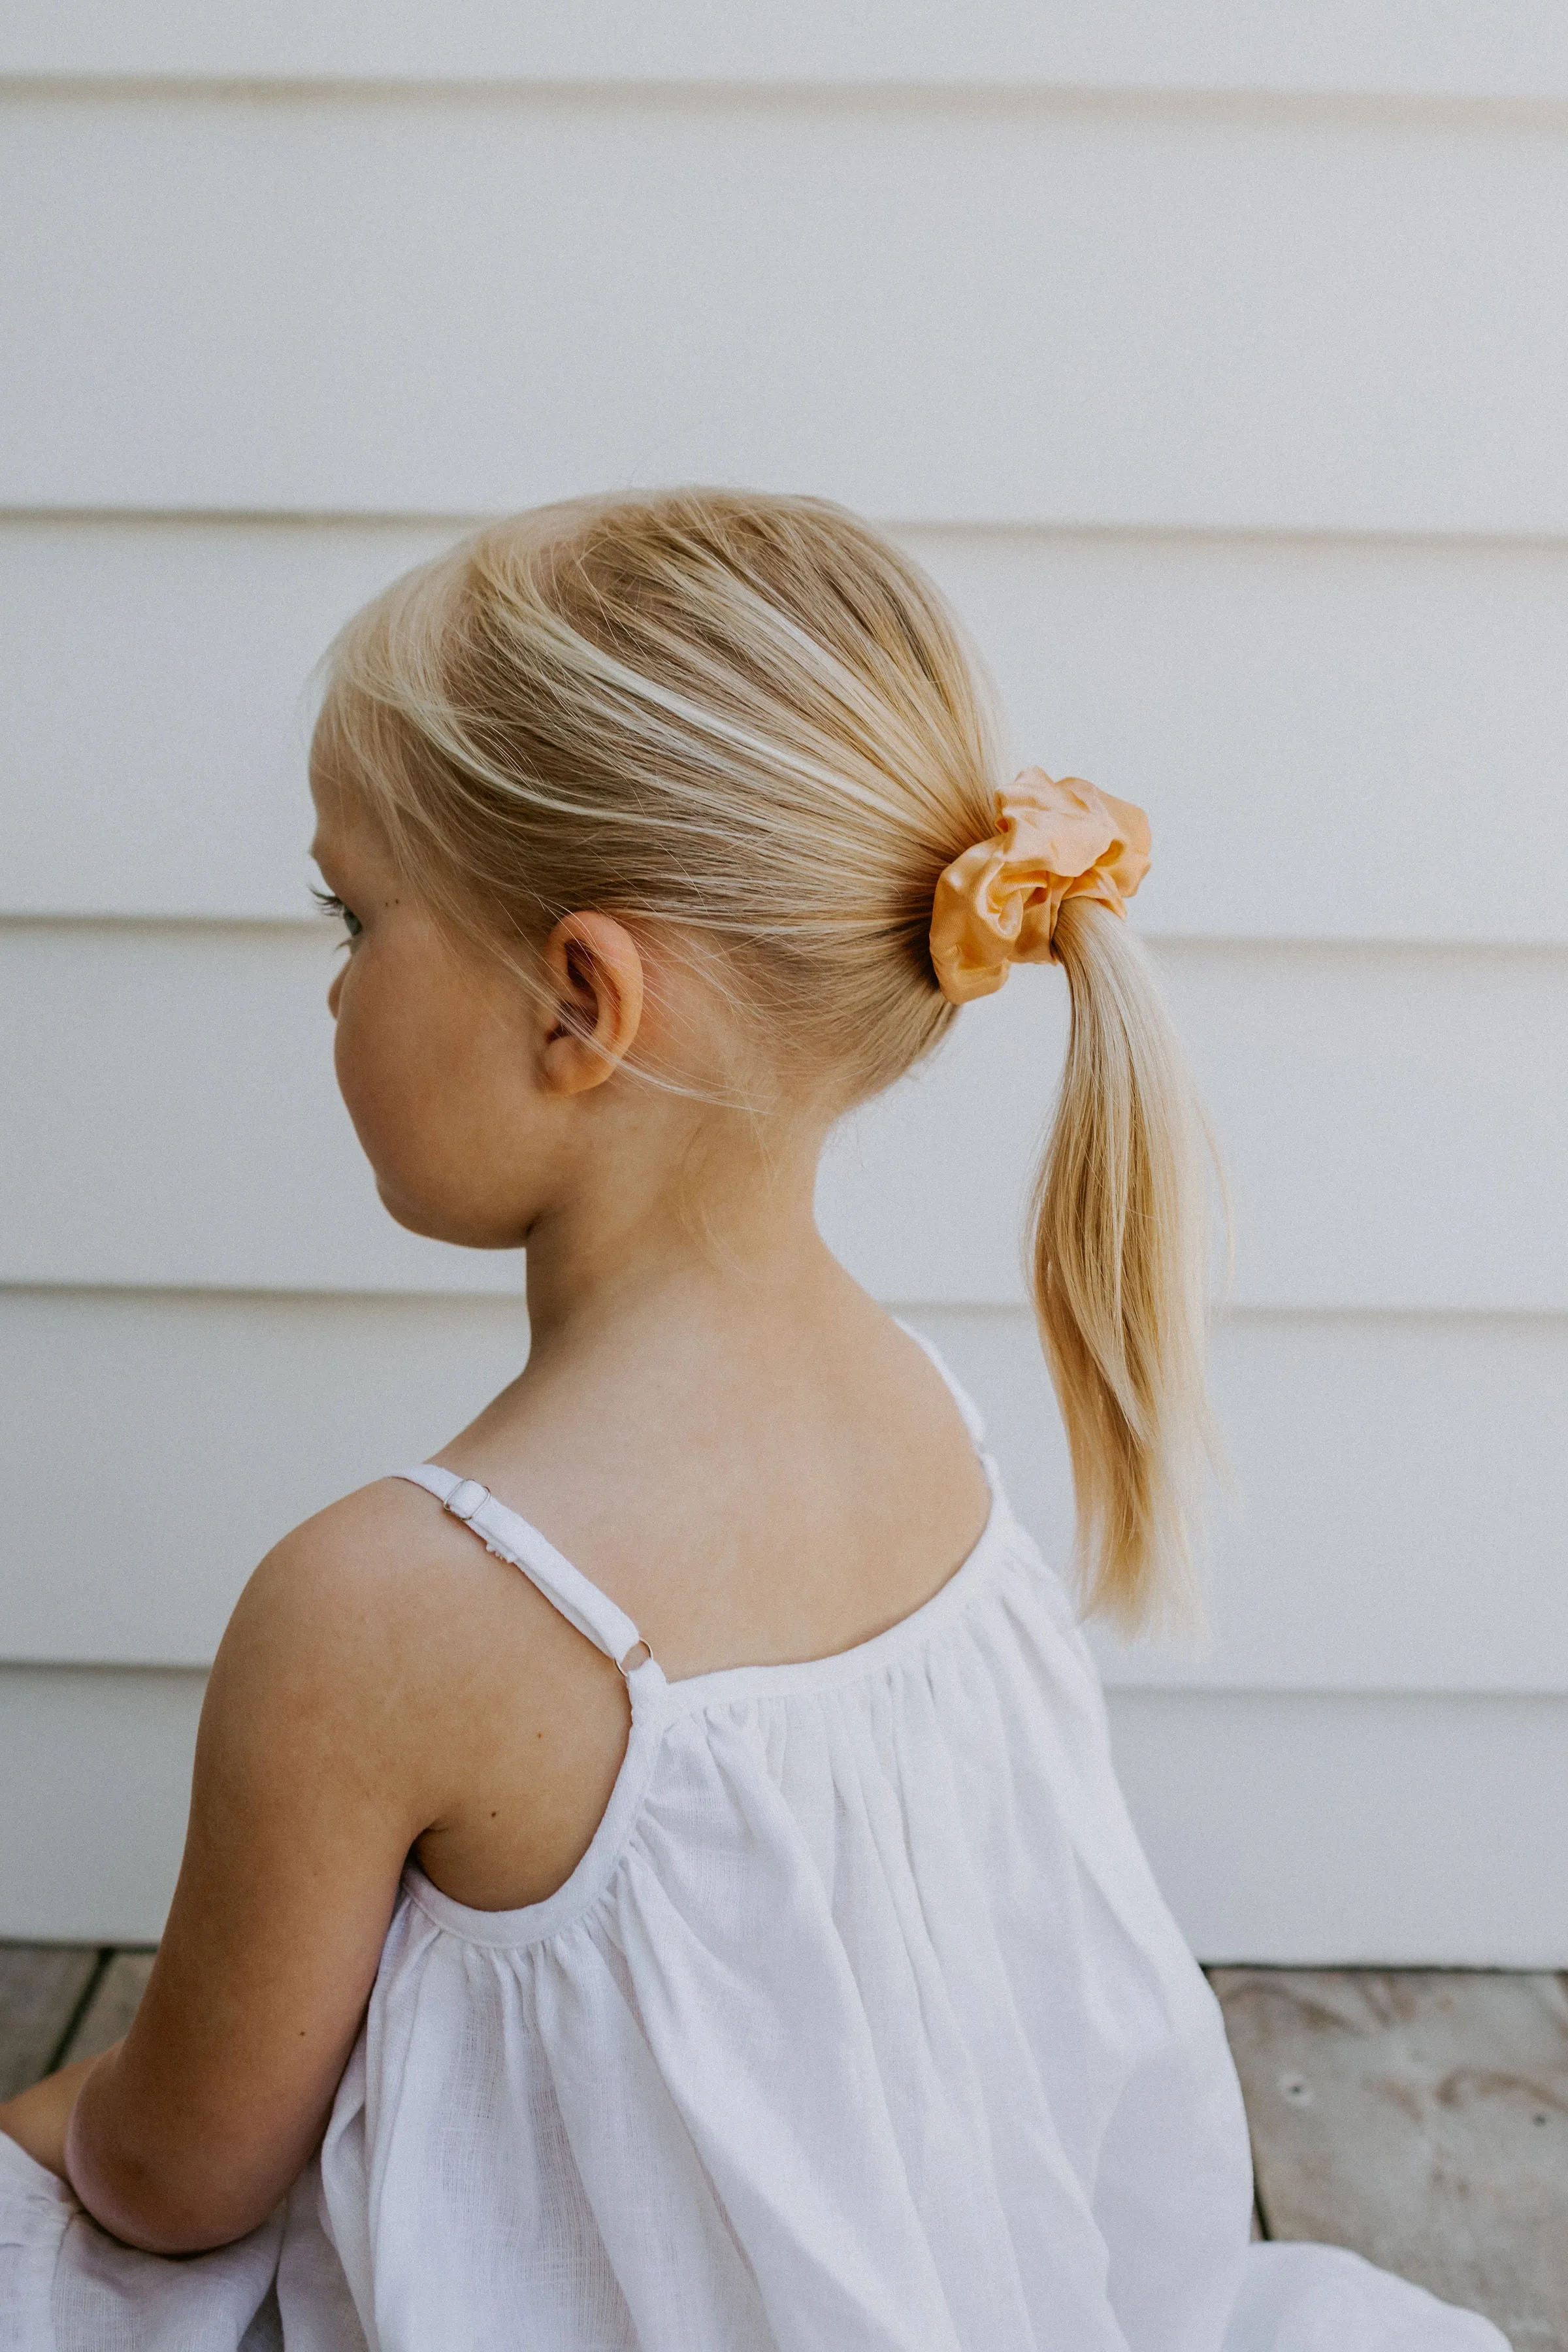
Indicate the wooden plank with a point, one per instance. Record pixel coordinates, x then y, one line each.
105 1759
1373 48
265 1041
41 1988
1421 2118
115 2000
1320 1828
257 1412
1432 1557
249 301
1381 1111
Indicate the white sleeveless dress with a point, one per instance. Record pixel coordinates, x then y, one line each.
860 2027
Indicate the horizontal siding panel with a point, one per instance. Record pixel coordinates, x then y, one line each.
1300 1831
1507 50
1381 1113
1308 722
183 1124
964 311
215 1426
1393 1513
1322 1832
174 1121
97 1770
1400 1485
156 681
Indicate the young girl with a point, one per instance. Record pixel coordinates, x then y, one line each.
726 1932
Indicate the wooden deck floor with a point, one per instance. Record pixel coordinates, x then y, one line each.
1419 2115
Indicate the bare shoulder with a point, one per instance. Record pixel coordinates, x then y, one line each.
394 1648
370 1572
384 1612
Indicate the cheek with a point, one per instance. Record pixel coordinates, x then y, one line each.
384 1073
423 1070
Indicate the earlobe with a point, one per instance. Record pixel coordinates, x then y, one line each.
592 971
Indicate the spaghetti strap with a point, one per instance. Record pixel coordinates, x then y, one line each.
511 1538
969 1411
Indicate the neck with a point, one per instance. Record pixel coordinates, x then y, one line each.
724 1229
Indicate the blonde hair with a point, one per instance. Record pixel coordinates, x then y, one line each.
750 720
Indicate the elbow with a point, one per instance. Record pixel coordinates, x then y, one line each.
154 2226
146 2204
142 2213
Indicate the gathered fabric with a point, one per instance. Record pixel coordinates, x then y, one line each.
860 2027
997 904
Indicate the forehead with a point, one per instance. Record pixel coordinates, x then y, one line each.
345 823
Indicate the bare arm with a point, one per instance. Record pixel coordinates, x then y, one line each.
313 1779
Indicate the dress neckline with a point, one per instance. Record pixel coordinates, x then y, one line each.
658 1704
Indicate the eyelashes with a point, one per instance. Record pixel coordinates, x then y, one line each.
333 908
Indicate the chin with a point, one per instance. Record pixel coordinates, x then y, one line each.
436 1222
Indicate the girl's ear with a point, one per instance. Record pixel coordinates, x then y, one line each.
593 978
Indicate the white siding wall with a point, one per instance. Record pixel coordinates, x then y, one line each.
1217 369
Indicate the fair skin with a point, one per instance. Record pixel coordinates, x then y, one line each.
714 1423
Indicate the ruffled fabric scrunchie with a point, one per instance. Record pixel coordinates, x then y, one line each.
996 905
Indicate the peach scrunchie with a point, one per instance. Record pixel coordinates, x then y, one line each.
997 904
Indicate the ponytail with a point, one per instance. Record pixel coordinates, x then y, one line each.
1118 1249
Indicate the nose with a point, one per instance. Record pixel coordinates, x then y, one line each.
336 990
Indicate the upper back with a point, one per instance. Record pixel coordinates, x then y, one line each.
819 1497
